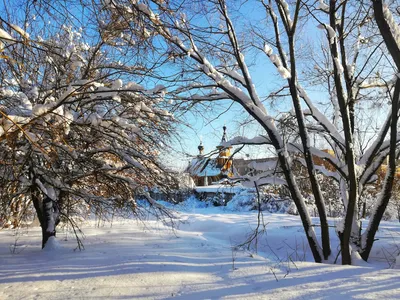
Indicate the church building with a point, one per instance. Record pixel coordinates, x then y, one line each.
206 169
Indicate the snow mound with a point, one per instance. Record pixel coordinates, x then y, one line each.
357 260
192 203
397 265
52 245
241 202
189 205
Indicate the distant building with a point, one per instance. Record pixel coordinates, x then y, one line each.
254 165
217 165
206 169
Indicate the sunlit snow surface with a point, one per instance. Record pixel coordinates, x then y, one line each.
133 260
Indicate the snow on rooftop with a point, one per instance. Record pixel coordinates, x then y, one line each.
221 188
203 166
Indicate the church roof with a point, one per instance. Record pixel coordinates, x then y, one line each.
223 139
203 166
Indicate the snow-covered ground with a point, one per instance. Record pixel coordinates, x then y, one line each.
146 260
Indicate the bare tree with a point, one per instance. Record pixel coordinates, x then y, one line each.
202 42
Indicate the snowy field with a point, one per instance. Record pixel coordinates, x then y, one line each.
131 260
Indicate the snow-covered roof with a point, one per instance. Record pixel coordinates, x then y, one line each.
222 188
203 166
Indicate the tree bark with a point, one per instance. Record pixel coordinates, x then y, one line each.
48 215
388 183
305 140
50 219
393 48
350 157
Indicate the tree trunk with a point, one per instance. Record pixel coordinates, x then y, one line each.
51 219
305 140
393 48
48 215
352 182
292 186
369 235
301 208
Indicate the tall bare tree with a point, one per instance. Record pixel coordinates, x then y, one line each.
209 45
